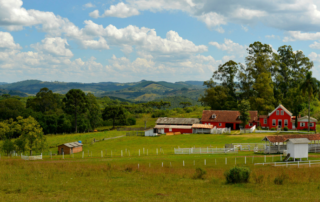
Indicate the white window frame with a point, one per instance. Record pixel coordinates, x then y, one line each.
220 124
274 122
311 124
302 124
286 122
170 129
250 124
265 121
282 112
277 112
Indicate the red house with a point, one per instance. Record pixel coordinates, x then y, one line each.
227 119
281 117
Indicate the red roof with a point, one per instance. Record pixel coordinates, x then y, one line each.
263 116
226 116
283 138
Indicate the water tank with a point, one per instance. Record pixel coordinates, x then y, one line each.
80 141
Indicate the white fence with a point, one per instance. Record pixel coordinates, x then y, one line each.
39 157
221 130
250 130
249 146
204 150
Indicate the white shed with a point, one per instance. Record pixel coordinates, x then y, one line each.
298 147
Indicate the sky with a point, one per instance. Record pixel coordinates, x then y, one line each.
131 40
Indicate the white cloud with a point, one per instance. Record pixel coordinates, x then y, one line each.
315 45
120 10
93 44
231 47
299 36
94 14
89 5
213 20
244 28
7 41
55 46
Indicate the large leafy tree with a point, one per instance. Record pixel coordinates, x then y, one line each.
75 103
244 108
94 112
114 113
44 101
309 88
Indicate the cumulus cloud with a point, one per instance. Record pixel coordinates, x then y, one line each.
315 45
120 10
89 5
7 41
298 35
213 20
230 47
55 46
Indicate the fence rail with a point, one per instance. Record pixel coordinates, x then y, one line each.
204 150
39 157
135 133
134 129
250 130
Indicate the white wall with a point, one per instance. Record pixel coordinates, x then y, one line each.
297 150
149 132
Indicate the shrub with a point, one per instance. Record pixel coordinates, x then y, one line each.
200 173
159 113
188 109
280 179
285 128
131 121
272 129
259 128
237 175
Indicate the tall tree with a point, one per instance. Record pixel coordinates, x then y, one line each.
309 88
244 108
94 112
44 101
75 103
185 104
114 113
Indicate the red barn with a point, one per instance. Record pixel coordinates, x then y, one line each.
227 119
281 117
182 125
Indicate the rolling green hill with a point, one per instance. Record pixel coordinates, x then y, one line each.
135 91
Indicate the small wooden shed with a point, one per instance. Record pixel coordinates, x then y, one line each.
298 147
70 148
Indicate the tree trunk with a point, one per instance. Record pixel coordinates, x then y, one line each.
113 122
30 152
309 116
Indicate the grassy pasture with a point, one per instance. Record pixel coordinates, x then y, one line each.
116 178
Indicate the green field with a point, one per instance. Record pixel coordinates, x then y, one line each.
151 176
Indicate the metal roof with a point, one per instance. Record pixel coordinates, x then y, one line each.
72 144
299 140
283 138
201 126
306 117
181 121
173 126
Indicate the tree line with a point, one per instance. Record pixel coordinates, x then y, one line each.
266 80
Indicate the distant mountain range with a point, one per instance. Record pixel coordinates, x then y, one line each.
136 91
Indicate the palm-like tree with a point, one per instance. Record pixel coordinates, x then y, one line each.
309 87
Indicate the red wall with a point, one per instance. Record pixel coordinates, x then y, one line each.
223 124
306 126
283 117
261 120
166 130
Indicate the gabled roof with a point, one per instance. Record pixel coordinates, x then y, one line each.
283 138
173 126
202 126
227 116
284 109
177 121
72 144
299 140
306 117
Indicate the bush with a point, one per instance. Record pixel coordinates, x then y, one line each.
280 179
285 128
131 121
200 173
188 109
272 129
159 113
259 128
237 175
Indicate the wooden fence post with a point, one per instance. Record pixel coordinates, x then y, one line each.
205 162
183 163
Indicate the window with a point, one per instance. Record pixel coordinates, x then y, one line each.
302 124
286 122
282 112
311 124
250 124
213 116
273 122
265 121
209 123
220 124
170 129
277 112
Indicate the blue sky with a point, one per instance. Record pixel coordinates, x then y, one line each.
131 40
